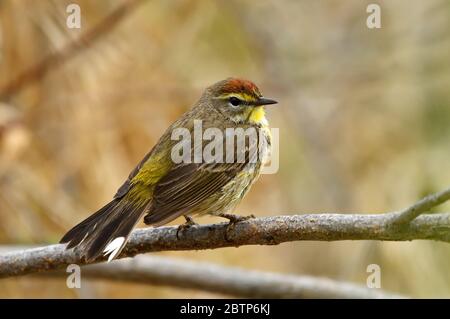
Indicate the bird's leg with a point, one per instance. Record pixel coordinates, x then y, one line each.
233 220
189 222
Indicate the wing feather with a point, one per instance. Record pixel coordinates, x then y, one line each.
186 186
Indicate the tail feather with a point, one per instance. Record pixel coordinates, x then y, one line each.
106 231
78 233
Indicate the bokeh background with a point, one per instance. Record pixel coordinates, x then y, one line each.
364 119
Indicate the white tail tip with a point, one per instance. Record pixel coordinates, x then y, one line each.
113 248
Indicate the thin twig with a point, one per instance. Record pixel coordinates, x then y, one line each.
181 273
408 214
67 52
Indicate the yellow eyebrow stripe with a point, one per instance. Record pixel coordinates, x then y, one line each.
242 96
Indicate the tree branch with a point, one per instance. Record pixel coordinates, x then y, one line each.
181 273
258 231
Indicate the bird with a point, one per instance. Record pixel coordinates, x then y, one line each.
164 189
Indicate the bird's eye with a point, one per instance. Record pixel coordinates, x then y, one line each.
234 101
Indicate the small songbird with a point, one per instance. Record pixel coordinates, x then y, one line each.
164 189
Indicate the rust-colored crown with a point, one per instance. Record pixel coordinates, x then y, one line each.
236 85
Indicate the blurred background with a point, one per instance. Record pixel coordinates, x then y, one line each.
364 119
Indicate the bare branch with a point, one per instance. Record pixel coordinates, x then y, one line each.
70 50
422 206
258 231
181 273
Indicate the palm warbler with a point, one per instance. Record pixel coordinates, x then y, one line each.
165 189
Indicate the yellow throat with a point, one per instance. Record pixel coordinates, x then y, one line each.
258 116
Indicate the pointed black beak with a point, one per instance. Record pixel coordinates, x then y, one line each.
264 101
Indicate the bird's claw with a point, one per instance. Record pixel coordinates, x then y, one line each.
233 220
188 224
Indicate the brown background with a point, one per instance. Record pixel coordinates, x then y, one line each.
364 117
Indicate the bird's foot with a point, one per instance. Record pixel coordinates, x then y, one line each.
189 223
233 220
